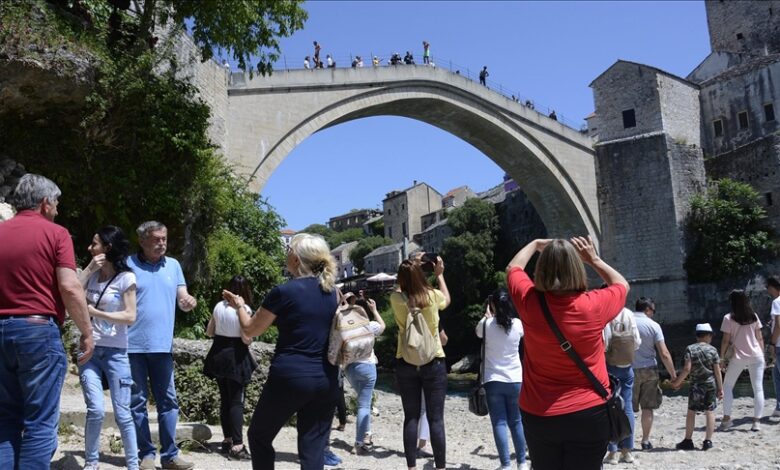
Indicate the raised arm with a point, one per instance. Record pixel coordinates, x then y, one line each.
126 316
587 251
94 266
521 259
439 271
377 317
251 326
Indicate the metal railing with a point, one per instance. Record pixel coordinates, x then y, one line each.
345 61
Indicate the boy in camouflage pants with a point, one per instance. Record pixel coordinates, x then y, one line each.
702 363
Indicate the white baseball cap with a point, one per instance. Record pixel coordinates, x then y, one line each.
703 328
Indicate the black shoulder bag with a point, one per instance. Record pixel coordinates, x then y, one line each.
477 398
619 426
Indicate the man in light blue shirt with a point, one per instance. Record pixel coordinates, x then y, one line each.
161 287
647 393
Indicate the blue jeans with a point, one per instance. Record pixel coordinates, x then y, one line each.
776 377
502 400
625 376
113 362
362 377
32 370
156 368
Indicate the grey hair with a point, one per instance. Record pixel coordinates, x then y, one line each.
32 190
149 226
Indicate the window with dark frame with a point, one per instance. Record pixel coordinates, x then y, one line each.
768 197
740 36
717 126
769 112
629 118
742 118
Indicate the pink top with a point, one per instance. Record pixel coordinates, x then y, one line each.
743 337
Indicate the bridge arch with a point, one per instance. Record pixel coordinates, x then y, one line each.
553 164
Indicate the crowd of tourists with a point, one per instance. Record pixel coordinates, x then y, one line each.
556 355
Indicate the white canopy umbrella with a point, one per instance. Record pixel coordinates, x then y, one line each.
381 277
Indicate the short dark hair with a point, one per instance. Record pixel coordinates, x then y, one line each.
702 334
643 303
773 281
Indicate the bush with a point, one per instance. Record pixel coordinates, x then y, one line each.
198 395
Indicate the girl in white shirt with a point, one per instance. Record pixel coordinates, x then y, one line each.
501 330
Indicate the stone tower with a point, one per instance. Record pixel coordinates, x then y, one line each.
744 26
648 165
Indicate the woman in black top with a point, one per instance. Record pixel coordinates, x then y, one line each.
300 380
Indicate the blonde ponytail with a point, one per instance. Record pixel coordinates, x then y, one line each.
316 260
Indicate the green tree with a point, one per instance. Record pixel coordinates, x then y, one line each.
728 232
321 229
349 235
470 271
364 247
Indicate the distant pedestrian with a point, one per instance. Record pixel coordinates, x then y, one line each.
375 61
316 52
702 363
329 60
426 53
306 63
38 283
483 75
742 330
408 58
553 116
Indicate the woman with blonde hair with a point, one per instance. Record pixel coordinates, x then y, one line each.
431 378
300 380
564 418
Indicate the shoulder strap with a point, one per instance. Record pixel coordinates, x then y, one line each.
569 349
104 289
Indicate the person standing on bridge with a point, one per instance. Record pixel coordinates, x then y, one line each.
483 75
426 53
316 54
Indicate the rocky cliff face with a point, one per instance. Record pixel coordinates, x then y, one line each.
40 70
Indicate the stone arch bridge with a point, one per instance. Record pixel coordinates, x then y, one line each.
265 118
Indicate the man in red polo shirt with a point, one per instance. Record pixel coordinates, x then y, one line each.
37 283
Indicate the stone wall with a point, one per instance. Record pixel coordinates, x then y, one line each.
396 216
744 26
757 164
626 86
748 89
211 80
519 223
680 109
644 187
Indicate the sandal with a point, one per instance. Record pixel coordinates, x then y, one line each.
241 454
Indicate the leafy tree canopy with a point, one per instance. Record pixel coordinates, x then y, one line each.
728 231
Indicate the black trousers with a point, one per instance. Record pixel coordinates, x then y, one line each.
431 380
231 409
341 406
573 441
313 399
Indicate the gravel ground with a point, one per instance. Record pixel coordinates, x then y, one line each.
469 440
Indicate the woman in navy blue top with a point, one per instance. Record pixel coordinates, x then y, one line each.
300 380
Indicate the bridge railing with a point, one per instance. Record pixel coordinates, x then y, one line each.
345 61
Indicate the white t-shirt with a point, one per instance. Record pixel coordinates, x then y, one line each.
502 360
107 333
775 314
226 320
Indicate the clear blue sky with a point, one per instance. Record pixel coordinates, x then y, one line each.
547 51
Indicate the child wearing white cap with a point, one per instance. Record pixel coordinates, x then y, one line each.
702 363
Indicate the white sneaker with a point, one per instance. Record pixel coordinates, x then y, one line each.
625 456
756 426
776 414
725 425
92 466
612 458
523 466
